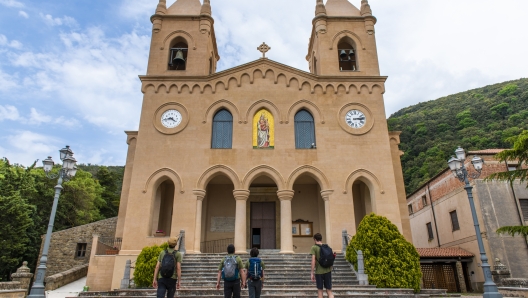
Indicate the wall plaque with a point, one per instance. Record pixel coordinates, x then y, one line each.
222 224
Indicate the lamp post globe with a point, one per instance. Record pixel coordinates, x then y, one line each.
457 166
67 171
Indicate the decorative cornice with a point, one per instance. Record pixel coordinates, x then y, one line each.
264 66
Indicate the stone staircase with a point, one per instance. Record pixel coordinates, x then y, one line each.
287 276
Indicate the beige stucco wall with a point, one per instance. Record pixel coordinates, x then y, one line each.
100 273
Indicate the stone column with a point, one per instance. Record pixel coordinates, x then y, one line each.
200 195
23 276
285 197
461 279
241 196
325 194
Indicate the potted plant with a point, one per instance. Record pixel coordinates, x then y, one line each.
159 233
113 251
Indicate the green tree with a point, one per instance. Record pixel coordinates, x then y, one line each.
15 216
110 181
145 265
518 155
390 260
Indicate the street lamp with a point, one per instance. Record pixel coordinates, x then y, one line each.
67 171
456 164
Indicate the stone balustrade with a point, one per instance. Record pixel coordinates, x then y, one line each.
18 288
60 279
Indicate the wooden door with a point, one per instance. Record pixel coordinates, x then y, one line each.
263 225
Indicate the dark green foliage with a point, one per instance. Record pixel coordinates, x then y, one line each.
26 193
390 260
517 155
514 230
477 119
145 265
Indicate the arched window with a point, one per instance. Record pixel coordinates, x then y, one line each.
222 130
178 54
304 130
346 55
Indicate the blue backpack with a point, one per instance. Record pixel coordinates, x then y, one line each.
255 268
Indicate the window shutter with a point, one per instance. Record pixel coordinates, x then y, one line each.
304 130
454 220
524 208
222 137
430 230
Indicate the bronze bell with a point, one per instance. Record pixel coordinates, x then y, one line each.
179 57
343 55
351 54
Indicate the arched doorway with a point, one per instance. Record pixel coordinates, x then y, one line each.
362 201
163 208
218 215
308 213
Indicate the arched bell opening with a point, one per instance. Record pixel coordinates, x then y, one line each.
346 52
163 209
218 215
363 204
178 54
308 213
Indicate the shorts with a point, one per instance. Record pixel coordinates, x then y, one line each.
324 280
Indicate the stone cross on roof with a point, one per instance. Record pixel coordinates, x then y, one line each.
263 48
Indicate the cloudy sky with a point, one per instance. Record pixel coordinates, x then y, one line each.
68 69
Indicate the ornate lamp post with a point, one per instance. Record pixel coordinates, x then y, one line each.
67 171
456 164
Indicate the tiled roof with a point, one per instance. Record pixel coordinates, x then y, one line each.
487 151
439 252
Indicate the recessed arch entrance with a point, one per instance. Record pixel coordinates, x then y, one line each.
263 213
362 200
163 205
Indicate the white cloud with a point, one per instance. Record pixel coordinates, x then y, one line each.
51 21
12 44
97 75
23 14
24 147
7 81
12 3
38 118
8 113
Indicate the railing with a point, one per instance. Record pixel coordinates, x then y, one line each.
360 272
108 246
216 246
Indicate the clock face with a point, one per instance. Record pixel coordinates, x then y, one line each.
171 118
355 119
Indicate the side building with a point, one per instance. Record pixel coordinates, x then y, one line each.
441 217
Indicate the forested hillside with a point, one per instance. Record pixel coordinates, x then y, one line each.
476 119
26 197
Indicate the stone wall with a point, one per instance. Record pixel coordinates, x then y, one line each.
62 251
20 293
60 279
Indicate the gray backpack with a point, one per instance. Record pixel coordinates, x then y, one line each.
230 270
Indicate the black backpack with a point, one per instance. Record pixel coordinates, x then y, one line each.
326 256
168 264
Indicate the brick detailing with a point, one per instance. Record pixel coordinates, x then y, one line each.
62 251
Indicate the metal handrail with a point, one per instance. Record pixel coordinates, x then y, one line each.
216 246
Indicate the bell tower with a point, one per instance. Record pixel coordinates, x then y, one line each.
343 40
183 40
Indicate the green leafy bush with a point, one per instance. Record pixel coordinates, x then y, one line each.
145 265
390 260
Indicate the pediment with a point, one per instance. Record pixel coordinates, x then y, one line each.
267 68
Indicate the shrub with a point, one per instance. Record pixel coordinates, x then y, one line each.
145 265
390 260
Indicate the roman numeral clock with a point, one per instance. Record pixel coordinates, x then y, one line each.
355 119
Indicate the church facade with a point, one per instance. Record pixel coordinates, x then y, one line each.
261 154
